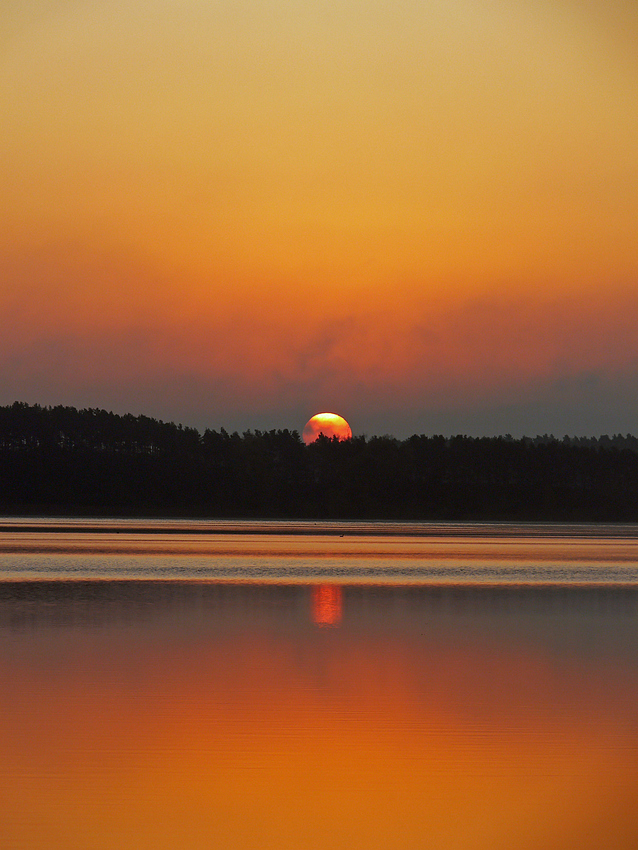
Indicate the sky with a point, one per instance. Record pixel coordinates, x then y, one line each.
419 214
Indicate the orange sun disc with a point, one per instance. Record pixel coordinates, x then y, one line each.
328 424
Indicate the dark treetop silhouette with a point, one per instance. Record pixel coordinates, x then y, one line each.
68 461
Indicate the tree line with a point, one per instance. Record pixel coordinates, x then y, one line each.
66 461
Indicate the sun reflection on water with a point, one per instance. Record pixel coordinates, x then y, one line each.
327 604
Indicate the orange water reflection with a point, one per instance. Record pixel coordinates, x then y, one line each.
327 604
221 717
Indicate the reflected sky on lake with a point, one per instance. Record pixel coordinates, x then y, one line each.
307 552
163 714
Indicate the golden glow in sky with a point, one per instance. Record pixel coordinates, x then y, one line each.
231 212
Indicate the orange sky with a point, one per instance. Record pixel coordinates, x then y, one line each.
422 215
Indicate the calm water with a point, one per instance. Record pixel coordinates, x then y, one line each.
279 685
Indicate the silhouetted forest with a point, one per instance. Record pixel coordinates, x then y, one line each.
60 460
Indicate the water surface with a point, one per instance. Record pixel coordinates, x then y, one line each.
194 688
416 553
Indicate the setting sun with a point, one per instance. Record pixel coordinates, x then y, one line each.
328 424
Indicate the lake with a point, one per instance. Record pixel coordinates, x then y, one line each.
200 684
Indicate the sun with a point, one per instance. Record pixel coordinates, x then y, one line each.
328 424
